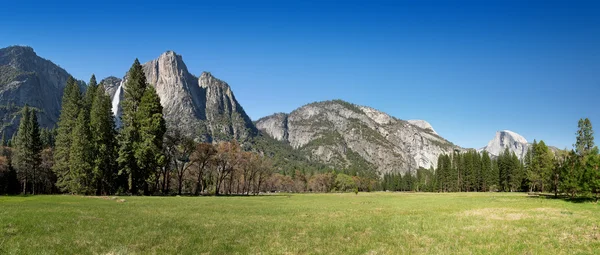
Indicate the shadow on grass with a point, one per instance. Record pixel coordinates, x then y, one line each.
577 199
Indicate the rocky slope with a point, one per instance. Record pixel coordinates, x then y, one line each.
337 132
26 78
201 105
507 139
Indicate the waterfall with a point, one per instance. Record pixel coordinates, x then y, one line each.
116 105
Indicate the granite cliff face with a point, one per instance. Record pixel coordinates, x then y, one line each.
26 78
507 139
202 106
335 132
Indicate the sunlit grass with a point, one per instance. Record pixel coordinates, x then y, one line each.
367 223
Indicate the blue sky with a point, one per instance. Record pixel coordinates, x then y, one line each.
469 68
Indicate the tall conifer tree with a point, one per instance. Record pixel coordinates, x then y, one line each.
71 103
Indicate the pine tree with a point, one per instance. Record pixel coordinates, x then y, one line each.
570 174
80 160
543 162
104 143
64 134
585 137
90 92
486 171
149 154
21 154
494 176
592 172
439 174
27 148
131 143
35 148
531 171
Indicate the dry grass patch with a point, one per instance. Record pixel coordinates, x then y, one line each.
510 214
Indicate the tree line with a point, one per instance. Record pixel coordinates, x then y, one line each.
572 173
87 154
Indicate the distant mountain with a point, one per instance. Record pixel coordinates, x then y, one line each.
507 139
324 134
201 105
26 78
340 133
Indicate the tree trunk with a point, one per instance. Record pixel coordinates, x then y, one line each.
25 186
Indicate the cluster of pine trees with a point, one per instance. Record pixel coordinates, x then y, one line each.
574 173
88 154
578 171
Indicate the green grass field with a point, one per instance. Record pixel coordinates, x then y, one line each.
367 223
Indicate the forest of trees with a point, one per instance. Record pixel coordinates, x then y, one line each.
87 154
571 173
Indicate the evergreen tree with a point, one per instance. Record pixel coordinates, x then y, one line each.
486 171
516 171
149 154
592 172
90 93
570 174
64 134
140 140
129 137
455 172
439 174
494 176
531 171
80 160
35 148
104 143
28 147
585 137
543 164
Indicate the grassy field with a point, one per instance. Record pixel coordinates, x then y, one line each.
367 223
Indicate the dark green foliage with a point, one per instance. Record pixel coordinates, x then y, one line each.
129 137
140 139
104 143
152 128
48 137
585 137
285 159
90 93
471 171
570 174
80 160
69 113
28 146
538 166
487 178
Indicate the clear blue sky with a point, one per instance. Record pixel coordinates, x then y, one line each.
469 68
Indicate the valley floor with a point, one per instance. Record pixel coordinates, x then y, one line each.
367 223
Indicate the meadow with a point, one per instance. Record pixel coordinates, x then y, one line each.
367 223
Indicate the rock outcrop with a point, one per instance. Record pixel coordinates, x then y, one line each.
423 124
203 106
26 78
507 139
336 132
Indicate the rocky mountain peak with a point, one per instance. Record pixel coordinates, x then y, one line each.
507 139
26 78
422 124
342 134
197 106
